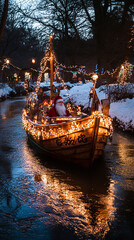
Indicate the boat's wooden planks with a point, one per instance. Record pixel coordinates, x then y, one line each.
82 147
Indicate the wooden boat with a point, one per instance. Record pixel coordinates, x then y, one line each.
79 139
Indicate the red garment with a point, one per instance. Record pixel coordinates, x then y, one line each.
52 113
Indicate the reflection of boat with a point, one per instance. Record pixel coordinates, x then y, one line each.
80 139
84 202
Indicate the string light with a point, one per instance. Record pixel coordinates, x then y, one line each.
44 132
125 72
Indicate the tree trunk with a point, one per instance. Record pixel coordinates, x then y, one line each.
4 17
99 24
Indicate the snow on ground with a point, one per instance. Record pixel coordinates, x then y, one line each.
79 93
123 110
5 90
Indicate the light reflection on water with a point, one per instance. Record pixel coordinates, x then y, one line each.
123 163
43 199
87 212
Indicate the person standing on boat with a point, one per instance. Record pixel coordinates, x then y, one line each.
93 100
58 110
42 104
40 96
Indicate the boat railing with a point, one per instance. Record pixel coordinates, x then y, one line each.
55 120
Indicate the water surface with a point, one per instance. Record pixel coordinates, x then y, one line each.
43 199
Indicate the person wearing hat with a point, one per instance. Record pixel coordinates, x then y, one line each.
58 110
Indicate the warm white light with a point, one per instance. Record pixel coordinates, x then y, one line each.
33 60
44 133
15 75
7 61
44 130
95 77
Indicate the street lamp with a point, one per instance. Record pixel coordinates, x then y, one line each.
95 77
33 60
7 61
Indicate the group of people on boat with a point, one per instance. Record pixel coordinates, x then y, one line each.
58 108
41 108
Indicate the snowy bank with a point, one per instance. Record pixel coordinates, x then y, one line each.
5 91
122 111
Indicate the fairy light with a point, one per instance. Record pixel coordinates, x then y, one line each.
69 107
33 60
52 131
33 97
125 72
130 42
95 77
45 130
78 110
7 61
58 67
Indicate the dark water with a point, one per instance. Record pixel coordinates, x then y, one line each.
39 199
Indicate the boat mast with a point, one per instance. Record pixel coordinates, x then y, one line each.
95 77
51 68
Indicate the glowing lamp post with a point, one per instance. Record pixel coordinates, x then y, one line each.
7 61
33 60
5 65
95 77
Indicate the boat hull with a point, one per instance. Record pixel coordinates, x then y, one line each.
79 155
81 147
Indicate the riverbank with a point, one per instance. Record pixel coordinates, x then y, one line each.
121 102
121 98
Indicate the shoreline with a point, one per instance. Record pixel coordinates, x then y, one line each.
126 126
